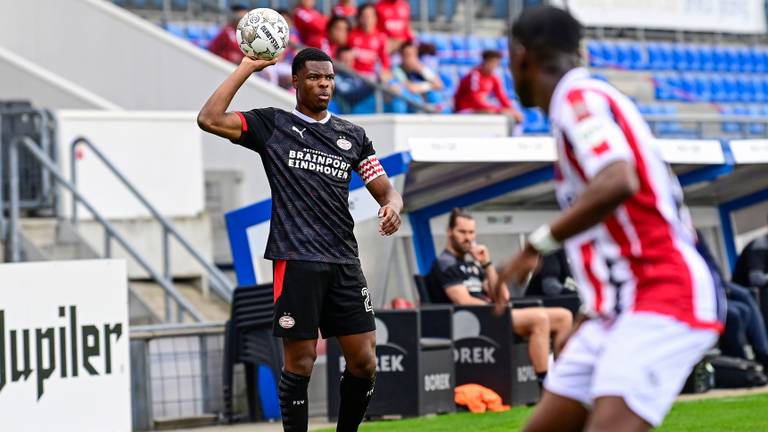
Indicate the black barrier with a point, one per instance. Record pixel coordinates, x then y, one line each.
487 352
415 375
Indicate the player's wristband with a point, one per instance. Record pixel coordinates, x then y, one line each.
543 241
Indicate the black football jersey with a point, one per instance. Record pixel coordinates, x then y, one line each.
309 165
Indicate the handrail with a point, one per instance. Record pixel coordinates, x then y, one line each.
110 232
219 282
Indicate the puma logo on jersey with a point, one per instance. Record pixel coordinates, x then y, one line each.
300 132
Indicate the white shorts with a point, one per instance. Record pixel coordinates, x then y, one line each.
644 358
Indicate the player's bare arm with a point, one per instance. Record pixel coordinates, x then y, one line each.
213 117
391 204
607 190
459 294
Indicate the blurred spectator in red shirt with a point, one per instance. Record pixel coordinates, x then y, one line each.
394 21
310 23
337 35
473 91
293 37
369 44
225 43
345 8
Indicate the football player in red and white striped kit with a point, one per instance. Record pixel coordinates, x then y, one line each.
650 306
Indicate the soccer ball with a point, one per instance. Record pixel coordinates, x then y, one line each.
262 34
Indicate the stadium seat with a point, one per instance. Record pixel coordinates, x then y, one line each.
638 56
460 49
717 88
474 50
693 57
745 60
176 29
732 56
609 55
756 128
655 56
706 58
534 121
758 59
661 87
729 126
595 53
623 55
720 59
679 58
703 87
731 88
757 86
688 87
745 88
443 48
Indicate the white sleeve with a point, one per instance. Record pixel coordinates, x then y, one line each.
592 131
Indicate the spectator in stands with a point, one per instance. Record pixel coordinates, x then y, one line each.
350 88
293 37
553 277
225 43
752 266
415 80
744 322
395 22
346 9
464 274
337 35
280 74
428 55
472 95
370 45
310 23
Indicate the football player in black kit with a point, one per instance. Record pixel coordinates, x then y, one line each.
309 155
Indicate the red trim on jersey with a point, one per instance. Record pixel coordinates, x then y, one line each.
664 281
279 277
242 120
587 252
572 158
579 105
601 148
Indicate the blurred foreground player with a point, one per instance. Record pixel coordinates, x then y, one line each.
651 307
308 156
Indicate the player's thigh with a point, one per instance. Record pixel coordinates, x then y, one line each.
557 413
572 374
347 307
359 351
300 290
525 321
646 360
559 318
611 414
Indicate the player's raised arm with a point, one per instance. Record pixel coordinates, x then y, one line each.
213 117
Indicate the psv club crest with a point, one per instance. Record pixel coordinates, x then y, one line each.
343 143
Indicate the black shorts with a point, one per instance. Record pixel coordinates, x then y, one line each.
312 295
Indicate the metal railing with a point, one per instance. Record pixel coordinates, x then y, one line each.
221 285
14 249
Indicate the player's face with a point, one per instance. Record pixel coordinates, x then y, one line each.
521 73
315 84
462 235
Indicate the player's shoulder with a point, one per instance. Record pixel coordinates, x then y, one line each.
446 260
346 126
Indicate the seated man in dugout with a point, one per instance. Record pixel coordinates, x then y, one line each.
463 274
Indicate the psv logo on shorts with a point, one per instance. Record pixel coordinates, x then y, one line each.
286 322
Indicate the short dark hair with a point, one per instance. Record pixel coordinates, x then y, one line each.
337 18
458 213
490 55
363 7
342 49
305 55
547 31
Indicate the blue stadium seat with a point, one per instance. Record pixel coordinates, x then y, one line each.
703 87
688 87
443 48
595 52
490 43
732 57
609 54
474 50
664 86
534 121
600 77
693 57
720 59
745 62
638 56
728 126
502 44
759 91
212 31
623 55
679 58
717 88
460 50
666 56
655 57
706 58
731 89
745 88
195 32
759 59
757 128
175 29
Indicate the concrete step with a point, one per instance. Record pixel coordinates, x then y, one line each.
153 296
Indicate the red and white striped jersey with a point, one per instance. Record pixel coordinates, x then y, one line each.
643 256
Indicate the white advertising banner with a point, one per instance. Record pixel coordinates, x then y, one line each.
64 347
728 16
